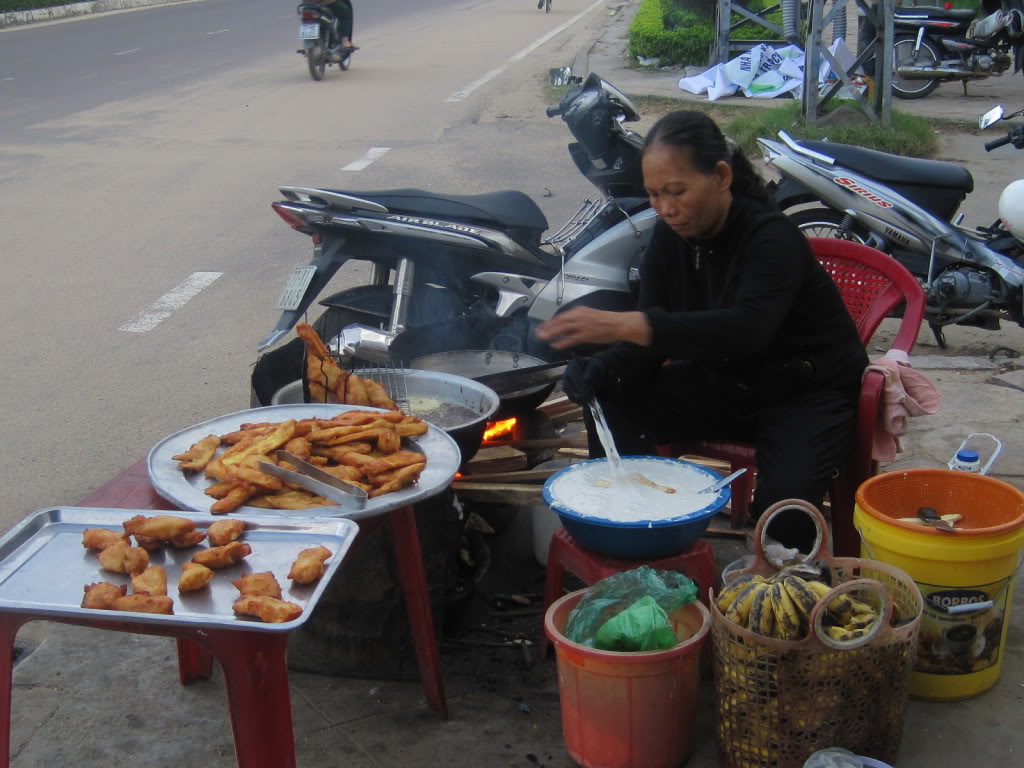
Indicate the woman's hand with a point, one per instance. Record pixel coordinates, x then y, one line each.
583 325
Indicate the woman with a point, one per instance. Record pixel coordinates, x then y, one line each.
740 333
342 10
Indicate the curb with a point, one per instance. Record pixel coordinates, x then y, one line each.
56 13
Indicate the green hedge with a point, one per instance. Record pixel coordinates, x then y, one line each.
675 32
7 6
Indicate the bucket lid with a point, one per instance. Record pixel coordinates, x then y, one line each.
988 507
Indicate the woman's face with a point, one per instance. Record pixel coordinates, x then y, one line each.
692 203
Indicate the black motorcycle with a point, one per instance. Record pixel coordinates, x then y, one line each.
318 31
935 45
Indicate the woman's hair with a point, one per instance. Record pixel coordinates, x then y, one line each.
701 136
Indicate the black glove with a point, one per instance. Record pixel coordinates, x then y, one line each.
586 378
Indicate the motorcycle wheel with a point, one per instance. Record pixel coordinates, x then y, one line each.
927 56
824 222
317 62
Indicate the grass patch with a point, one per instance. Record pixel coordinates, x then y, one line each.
909 135
8 6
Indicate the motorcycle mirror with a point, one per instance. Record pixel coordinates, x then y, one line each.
560 76
994 115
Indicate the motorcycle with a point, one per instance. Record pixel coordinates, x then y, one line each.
905 207
474 269
936 45
320 42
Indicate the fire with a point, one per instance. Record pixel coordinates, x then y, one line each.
499 428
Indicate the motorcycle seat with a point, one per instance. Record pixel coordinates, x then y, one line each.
953 14
895 169
507 210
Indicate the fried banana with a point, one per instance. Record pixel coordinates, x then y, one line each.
378 396
101 538
309 565
267 609
199 455
397 475
152 581
256 584
355 391
194 576
284 432
246 474
314 344
163 527
225 531
335 452
412 428
145 604
223 557
389 442
122 558
300 448
401 478
101 596
235 498
296 500
221 489
394 461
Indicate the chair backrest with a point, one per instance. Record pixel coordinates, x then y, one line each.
872 284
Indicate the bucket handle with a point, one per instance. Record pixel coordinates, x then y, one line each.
822 542
856 585
958 610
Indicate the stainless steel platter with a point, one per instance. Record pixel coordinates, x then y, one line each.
44 567
185 490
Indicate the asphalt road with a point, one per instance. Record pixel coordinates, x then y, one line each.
140 257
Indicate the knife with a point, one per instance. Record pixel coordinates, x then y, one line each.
931 517
314 479
523 378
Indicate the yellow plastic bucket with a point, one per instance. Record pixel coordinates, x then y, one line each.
966 576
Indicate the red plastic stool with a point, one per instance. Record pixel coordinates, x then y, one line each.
698 563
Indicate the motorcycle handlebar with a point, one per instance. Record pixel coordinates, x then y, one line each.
553 111
996 143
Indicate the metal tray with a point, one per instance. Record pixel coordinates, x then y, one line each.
44 567
186 489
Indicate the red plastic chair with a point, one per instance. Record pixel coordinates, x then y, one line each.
872 284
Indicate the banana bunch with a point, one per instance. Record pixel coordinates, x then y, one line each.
780 607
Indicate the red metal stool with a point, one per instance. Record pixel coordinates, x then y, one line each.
698 563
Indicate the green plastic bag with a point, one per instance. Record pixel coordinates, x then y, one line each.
609 597
644 626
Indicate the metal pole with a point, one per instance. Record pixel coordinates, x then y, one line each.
812 62
724 23
883 78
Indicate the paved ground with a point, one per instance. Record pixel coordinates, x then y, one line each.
91 699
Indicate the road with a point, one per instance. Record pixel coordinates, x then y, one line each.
139 153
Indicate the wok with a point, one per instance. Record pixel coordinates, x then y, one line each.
471 363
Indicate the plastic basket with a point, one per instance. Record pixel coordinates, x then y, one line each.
781 700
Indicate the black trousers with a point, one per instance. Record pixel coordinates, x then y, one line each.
800 439
342 10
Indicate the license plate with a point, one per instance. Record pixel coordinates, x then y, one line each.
295 288
309 31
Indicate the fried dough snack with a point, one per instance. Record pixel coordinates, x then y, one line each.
152 581
145 604
101 538
193 577
148 543
267 609
188 539
257 584
225 531
223 557
309 566
102 595
163 527
122 558
199 455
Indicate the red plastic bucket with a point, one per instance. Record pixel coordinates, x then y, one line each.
629 710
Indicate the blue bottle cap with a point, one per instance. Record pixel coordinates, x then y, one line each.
968 455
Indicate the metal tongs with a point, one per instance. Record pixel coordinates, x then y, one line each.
312 478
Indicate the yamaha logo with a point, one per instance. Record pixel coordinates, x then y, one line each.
435 223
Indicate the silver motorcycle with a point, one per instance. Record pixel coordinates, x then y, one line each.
906 207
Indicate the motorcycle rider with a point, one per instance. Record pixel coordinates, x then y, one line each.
740 333
342 11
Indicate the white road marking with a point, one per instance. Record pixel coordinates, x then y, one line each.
375 153
219 32
133 50
174 299
460 95
8 78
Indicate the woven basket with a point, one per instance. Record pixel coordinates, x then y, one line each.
781 700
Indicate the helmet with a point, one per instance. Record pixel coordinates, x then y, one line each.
1011 208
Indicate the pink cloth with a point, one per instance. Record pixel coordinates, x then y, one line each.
906 393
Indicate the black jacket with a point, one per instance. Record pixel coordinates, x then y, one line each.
751 304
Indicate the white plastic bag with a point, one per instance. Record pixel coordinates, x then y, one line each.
722 86
700 83
770 85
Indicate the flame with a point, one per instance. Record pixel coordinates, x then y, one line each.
499 428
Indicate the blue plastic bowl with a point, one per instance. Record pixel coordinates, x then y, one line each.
641 538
